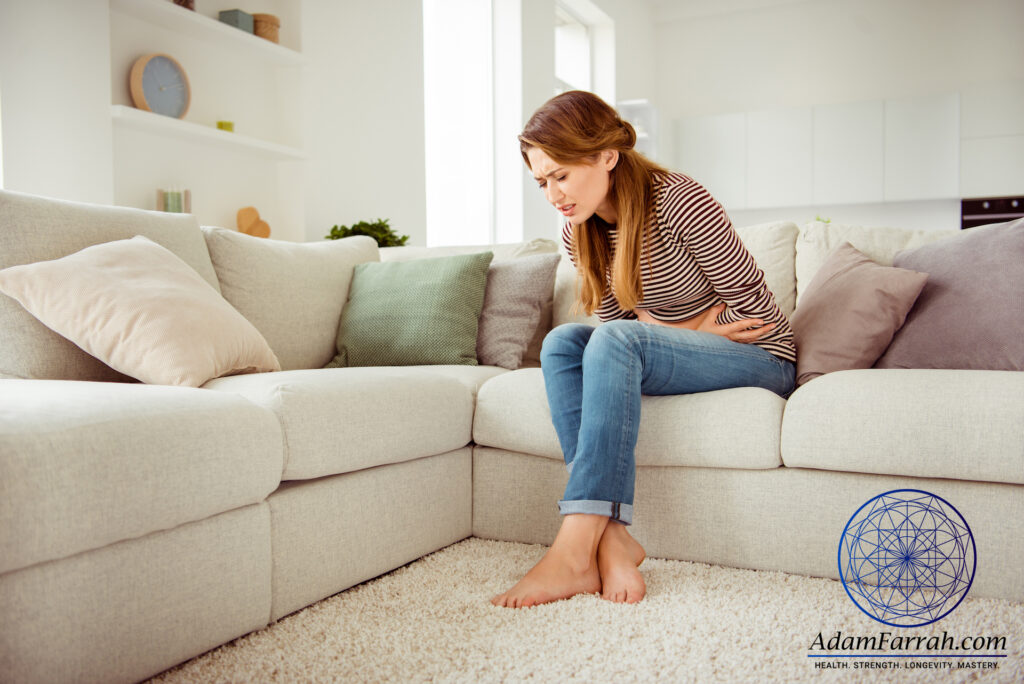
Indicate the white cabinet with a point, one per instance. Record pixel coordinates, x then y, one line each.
922 148
713 150
992 139
233 76
780 158
849 153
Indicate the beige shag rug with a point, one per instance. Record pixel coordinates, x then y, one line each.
431 621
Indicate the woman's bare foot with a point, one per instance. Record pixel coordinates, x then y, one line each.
568 568
618 557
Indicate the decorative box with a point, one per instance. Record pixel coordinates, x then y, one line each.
238 19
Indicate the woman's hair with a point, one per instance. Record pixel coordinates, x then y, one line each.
573 128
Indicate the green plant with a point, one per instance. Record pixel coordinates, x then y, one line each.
379 230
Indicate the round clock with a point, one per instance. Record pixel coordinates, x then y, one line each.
159 84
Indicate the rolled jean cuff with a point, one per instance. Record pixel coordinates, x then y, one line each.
619 512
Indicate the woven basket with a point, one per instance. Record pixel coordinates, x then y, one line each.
266 26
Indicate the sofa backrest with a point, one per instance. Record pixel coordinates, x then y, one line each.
817 240
39 229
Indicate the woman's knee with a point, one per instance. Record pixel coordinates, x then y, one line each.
566 338
615 337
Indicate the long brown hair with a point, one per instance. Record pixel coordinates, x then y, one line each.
572 128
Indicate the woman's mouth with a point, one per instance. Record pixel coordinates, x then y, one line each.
567 209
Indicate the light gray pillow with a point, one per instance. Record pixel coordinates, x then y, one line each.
850 312
292 292
970 315
517 291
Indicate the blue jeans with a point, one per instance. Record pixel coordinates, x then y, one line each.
594 378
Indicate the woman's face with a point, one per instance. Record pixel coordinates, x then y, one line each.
578 191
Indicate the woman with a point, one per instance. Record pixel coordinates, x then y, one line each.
687 310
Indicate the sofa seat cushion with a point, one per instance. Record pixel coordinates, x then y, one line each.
963 425
733 428
339 420
87 464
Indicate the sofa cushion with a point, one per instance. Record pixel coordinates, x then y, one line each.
40 229
733 428
344 419
817 240
86 464
970 314
773 246
141 310
292 292
963 425
850 312
416 312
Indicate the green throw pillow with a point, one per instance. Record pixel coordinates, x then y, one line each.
420 312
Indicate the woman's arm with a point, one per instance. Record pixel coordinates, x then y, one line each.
745 330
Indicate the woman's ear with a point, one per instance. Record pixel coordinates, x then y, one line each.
609 159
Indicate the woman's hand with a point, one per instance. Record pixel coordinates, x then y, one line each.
737 332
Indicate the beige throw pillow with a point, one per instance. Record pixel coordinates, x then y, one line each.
141 310
292 292
850 312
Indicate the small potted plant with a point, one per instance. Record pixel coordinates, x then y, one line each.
379 230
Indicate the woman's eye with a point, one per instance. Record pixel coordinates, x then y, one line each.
560 179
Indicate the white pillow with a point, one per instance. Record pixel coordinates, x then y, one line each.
141 310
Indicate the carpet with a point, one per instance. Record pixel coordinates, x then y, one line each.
431 621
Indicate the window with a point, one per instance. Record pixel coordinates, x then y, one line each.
458 121
572 51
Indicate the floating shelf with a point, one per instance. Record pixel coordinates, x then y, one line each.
167 14
138 119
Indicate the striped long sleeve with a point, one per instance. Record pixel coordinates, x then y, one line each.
695 261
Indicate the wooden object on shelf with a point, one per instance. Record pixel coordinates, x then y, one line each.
266 26
249 223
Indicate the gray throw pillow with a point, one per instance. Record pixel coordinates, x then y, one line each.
970 314
517 290
850 312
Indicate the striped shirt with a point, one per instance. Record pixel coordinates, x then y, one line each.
696 262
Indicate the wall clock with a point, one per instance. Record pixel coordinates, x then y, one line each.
159 84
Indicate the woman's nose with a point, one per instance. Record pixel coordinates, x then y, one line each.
553 192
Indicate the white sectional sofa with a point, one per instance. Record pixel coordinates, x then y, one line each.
141 525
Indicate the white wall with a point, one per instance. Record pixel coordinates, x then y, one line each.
813 52
364 115
54 61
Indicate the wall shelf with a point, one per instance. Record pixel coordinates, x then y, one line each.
138 119
187 22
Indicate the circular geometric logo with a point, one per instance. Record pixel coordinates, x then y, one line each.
907 558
